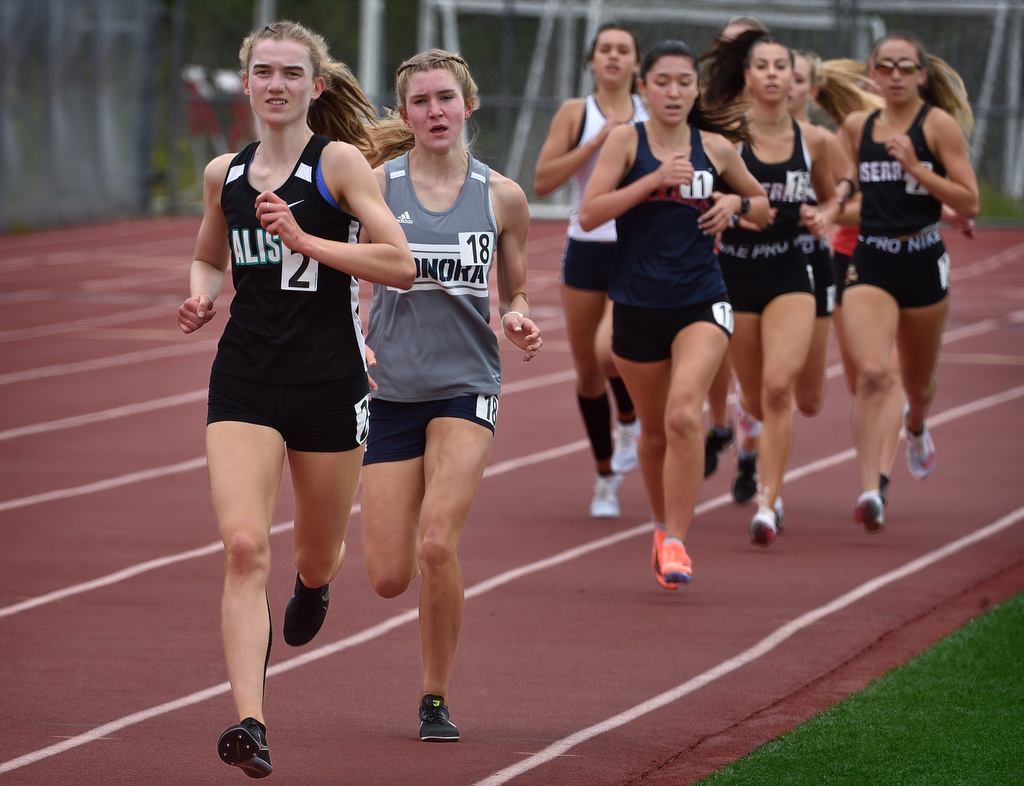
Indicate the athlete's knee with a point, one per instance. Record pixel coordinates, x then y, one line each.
682 422
872 379
810 402
246 554
435 554
776 395
389 582
590 382
317 566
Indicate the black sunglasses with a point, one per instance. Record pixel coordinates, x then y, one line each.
908 67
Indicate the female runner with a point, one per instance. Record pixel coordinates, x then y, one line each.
289 377
770 280
671 316
437 372
578 130
911 158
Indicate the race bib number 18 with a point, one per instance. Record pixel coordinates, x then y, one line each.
476 248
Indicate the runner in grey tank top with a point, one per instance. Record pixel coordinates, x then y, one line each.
437 372
453 351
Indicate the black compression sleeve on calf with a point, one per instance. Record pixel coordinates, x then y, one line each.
597 415
622 399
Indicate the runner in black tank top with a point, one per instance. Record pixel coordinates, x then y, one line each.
910 158
289 379
769 278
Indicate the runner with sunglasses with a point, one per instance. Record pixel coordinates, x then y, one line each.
910 158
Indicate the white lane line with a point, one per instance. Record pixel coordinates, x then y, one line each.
106 414
212 548
752 654
82 324
139 356
104 485
562 746
478 589
196 463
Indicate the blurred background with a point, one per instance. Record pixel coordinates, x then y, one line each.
111 108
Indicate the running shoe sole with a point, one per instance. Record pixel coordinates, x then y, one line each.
870 515
239 747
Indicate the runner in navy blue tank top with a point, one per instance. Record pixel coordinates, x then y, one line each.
770 280
288 380
671 318
910 159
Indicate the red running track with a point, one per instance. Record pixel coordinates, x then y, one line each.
575 667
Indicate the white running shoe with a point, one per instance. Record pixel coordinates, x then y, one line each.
869 512
763 527
605 504
920 450
625 458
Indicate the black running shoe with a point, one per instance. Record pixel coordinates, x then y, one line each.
434 723
714 445
305 613
744 488
244 745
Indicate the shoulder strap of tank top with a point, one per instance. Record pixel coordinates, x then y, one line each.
583 119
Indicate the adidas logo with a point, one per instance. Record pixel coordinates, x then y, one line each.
404 218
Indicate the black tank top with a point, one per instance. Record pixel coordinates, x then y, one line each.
293 320
894 202
787 185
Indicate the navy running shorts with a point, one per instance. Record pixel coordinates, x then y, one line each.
587 264
398 429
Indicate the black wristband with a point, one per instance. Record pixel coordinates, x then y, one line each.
853 186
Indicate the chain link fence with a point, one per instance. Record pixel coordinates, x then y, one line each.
112 108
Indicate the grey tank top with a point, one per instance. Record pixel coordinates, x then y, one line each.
434 341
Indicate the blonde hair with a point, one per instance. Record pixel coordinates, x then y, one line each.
393 136
944 87
341 111
840 86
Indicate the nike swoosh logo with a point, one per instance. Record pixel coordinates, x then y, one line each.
293 204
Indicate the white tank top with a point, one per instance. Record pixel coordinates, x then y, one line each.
593 122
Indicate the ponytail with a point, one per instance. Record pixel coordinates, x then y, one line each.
840 88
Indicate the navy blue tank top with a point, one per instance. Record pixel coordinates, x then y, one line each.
662 258
894 202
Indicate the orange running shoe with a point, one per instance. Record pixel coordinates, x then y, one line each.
670 562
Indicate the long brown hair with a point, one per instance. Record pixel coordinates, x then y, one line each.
729 120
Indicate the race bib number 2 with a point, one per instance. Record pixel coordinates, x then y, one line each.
298 272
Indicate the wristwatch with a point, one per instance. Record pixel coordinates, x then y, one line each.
744 206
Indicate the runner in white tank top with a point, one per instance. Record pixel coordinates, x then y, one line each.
577 132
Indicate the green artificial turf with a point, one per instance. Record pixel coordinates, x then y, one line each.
953 715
